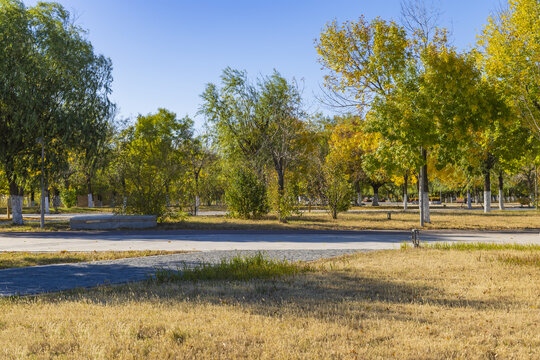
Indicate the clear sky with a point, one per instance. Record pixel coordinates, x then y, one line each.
165 51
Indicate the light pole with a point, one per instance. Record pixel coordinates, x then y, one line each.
42 207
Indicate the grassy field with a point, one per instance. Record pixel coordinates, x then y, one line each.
15 259
496 220
405 304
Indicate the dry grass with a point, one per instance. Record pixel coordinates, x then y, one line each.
366 220
409 304
33 226
496 220
14 259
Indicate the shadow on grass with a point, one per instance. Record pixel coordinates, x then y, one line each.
323 294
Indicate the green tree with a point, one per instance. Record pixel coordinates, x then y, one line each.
54 88
261 125
153 154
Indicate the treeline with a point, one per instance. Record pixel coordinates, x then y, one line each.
422 117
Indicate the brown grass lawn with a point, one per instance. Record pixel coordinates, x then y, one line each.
14 259
370 220
403 304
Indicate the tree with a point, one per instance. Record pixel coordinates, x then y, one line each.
357 150
337 191
54 88
154 150
261 125
510 52
198 157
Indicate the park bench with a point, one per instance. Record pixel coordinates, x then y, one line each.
108 222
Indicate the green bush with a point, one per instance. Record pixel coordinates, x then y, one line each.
148 201
338 194
246 195
69 197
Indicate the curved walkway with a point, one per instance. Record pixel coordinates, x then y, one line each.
49 278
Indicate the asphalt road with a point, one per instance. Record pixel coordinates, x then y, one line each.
245 240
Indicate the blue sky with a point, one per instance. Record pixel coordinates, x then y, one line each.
165 51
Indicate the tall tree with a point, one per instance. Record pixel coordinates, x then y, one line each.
54 88
153 153
510 51
260 124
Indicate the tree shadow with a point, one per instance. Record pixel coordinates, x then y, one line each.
334 296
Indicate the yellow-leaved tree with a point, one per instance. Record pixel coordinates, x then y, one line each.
509 49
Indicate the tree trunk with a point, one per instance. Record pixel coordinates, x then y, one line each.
424 191
281 193
16 195
168 197
405 195
90 197
197 198
56 199
47 203
469 205
375 194
487 191
501 191
32 199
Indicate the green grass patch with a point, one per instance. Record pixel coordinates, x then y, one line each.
241 268
462 246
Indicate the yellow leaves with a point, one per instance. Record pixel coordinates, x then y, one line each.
362 55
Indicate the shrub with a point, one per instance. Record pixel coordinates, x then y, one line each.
246 195
338 194
69 197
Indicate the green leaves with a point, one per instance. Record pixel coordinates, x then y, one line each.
53 87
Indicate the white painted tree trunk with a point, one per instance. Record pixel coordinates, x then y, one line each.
375 200
47 209
487 201
405 200
359 198
197 204
501 200
426 207
16 209
469 200
421 206
90 201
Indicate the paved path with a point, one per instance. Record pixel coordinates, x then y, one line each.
212 246
40 279
242 240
